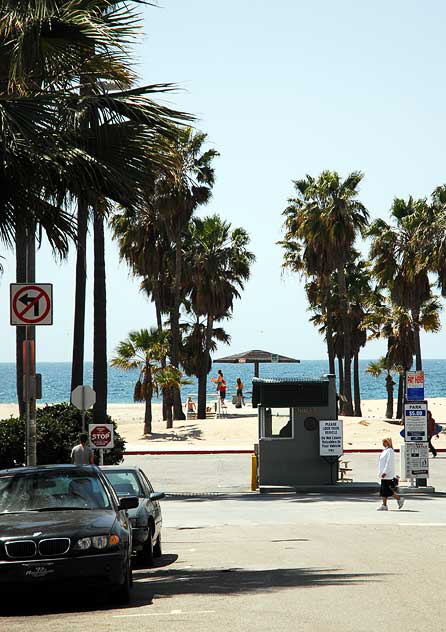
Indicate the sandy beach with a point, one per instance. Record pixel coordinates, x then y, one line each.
240 429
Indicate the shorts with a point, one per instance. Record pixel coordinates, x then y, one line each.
239 392
222 393
387 488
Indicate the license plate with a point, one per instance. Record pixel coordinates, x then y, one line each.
38 571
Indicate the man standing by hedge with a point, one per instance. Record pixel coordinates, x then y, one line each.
82 454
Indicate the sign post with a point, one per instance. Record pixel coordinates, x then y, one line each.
83 397
31 304
416 441
101 436
331 445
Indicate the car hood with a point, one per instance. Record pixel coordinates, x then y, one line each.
57 523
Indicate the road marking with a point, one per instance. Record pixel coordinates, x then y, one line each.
161 614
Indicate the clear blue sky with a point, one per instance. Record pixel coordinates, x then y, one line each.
282 89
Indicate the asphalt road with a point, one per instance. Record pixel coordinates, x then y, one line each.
242 562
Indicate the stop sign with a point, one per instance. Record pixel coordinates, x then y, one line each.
101 436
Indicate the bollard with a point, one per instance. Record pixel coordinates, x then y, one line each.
253 472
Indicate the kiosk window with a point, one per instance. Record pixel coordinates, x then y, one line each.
277 423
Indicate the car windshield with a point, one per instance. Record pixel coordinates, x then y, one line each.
125 482
52 490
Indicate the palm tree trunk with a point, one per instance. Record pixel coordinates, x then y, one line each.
399 408
20 332
329 336
159 322
148 408
357 387
416 325
77 367
175 326
169 406
100 322
202 378
341 376
389 388
348 407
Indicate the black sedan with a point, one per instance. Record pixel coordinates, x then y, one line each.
64 524
146 519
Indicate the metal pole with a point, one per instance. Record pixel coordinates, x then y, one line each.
101 456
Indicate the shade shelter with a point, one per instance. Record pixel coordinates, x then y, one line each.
255 357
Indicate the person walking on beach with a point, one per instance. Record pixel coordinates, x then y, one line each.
190 404
431 431
82 454
387 476
239 390
222 390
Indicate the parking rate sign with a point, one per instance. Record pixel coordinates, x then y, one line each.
415 422
101 435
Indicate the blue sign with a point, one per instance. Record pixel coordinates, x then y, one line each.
415 394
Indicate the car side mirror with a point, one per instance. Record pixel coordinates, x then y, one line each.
128 502
157 495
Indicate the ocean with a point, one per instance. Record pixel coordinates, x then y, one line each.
56 377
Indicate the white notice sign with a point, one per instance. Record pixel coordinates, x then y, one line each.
330 438
417 460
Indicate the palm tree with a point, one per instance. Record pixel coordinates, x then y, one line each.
142 350
376 370
218 263
169 379
176 195
343 216
305 250
399 261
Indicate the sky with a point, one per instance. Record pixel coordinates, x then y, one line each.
282 89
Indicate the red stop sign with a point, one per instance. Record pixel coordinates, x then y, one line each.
100 436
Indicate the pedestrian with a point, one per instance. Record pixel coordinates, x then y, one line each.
389 482
191 408
82 454
239 391
431 431
222 390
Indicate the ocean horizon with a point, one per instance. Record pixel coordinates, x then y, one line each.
56 378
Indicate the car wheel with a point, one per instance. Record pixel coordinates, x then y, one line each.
122 594
157 549
145 556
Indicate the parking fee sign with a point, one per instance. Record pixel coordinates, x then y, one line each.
415 422
101 435
415 386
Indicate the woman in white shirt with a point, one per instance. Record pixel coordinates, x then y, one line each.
387 475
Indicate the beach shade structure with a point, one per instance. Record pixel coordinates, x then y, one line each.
255 357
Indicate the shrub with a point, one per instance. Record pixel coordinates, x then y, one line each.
58 429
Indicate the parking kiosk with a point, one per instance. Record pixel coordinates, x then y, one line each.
289 414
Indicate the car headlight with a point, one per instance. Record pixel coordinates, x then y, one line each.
100 541
83 544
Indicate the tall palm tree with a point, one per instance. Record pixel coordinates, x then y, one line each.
176 195
325 218
397 264
218 263
305 250
344 216
142 350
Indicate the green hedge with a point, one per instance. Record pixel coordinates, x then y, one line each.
58 429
